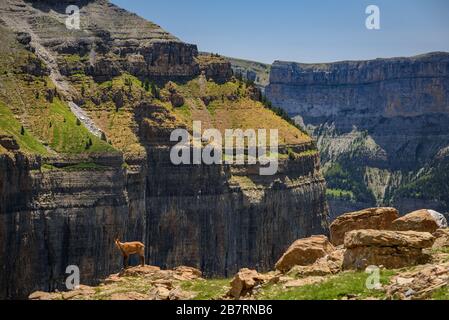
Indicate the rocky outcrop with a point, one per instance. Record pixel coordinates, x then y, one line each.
329 264
245 281
374 218
379 123
442 238
390 249
9 143
215 67
227 217
418 284
150 283
421 220
102 49
304 252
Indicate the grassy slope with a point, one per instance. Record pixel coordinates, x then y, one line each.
10 126
51 124
23 103
223 112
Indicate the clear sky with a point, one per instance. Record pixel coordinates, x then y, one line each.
301 30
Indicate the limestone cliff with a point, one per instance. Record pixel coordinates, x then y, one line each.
85 122
378 124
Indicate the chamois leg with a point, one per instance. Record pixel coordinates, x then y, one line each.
142 260
125 262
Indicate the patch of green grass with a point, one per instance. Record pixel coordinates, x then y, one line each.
184 110
85 166
339 193
207 289
441 294
69 137
344 285
128 284
11 126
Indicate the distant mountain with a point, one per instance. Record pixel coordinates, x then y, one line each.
381 126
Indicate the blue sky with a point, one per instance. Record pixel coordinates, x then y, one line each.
301 30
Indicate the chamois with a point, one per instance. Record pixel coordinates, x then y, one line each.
129 248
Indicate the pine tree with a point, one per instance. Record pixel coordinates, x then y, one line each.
147 85
22 130
154 90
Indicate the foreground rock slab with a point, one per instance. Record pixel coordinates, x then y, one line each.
143 282
245 281
305 252
373 218
442 238
419 284
421 220
390 249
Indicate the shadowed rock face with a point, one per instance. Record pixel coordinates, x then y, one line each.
381 121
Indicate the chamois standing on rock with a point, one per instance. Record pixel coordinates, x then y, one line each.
129 248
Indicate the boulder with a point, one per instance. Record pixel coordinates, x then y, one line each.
40 295
374 218
177 100
418 284
329 264
390 249
8 142
179 294
304 252
439 218
188 273
159 293
139 271
245 281
386 238
421 220
442 238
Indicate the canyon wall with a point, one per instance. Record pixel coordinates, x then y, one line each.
64 208
378 124
216 218
51 219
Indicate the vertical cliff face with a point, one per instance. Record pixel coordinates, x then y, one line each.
220 218
55 218
378 123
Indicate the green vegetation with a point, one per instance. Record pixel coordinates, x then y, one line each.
347 284
9 125
231 105
441 294
67 135
340 194
128 284
347 181
83 166
432 184
207 289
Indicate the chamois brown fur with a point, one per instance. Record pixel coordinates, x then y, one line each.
129 248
